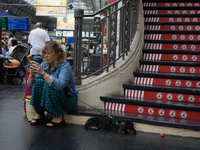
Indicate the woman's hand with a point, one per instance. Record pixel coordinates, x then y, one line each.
35 68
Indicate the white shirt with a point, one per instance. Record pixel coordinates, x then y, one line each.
37 38
91 51
11 49
10 39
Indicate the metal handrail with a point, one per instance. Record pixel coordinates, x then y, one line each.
121 17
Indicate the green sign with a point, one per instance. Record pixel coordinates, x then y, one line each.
3 23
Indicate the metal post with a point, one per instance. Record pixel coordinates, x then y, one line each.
115 35
88 60
102 30
78 14
109 33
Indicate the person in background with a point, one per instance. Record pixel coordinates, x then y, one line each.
10 37
72 48
13 43
91 50
94 48
48 83
97 50
3 48
68 46
38 38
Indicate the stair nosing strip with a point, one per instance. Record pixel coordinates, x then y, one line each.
163 89
171 23
151 104
165 76
163 51
171 8
171 15
174 63
171 32
173 41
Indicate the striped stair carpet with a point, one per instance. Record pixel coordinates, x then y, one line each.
166 90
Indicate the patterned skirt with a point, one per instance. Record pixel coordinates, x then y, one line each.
44 98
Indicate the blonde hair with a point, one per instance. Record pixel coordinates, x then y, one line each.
55 47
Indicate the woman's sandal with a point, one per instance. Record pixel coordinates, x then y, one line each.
55 124
37 121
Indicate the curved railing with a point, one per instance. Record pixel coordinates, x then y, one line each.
115 27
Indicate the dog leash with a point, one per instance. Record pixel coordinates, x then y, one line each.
95 109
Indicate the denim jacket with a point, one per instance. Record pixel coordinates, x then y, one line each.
61 77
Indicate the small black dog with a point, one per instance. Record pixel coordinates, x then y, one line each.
114 124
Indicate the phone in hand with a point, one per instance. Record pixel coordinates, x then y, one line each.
32 62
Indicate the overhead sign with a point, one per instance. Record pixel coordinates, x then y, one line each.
3 23
51 7
68 33
97 26
18 24
66 23
58 33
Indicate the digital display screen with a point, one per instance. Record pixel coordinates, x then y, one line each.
3 23
19 24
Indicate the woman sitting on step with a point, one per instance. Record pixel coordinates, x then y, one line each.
49 82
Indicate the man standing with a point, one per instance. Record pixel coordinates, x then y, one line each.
38 38
68 47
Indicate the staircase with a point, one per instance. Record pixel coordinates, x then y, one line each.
166 90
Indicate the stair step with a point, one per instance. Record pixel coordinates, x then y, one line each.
171 57
173 28
174 37
171 4
166 75
142 118
148 102
156 81
170 67
171 23
171 51
175 63
162 93
172 46
172 19
169 12
171 32
171 1
173 16
172 41
172 8
181 111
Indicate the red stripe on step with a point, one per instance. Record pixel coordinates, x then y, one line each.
172 57
169 96
166 46
173 27
174 82
171 4
171 11
161 112
172 37
178 69
172 19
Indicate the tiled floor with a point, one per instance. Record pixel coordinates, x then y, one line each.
16 133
